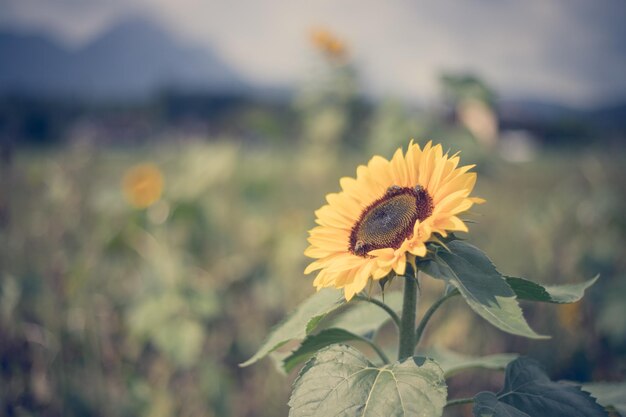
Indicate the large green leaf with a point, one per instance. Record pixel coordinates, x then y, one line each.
486 404
340 382
351 322
453 362
364 317
528 392
481 285
302 322
559 294
315 342
609 394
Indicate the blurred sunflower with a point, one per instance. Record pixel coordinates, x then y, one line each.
328 43
388 213
143 185
570 316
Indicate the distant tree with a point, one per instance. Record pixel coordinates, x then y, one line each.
461 87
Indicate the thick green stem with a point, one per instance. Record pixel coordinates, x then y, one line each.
459 401
382 305
420 328
407 321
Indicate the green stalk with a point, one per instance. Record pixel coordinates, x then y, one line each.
459 401
382 305
376 348
420 328
407 321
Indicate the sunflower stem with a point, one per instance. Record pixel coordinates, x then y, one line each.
382 305
409 307
429 313
459 401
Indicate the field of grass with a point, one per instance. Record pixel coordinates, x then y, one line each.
111 310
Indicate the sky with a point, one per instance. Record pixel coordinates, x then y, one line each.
571 51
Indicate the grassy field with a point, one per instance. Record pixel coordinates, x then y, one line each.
107 309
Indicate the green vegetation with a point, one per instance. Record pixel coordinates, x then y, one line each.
110 310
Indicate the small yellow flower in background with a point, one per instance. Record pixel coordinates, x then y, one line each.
570 316
328 43
390 211
143 185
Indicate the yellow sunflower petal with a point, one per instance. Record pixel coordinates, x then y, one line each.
399 264
362 276
374 188
358 191
453 224
435 178
323 262
317 252
343 204
382 254
413 155
399 174
380 172
462 182
379 273
418 249
328 244
322 280
453 202
345 278
327 216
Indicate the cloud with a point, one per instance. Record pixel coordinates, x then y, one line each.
571 50
70 21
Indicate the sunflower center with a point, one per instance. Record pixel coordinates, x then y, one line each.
388 221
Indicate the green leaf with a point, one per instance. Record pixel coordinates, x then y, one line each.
302 322
363 317
559 294
481 285
453 362
486 404
609 394
528 392
351 322
339 381
313 343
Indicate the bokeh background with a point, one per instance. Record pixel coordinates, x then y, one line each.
161 162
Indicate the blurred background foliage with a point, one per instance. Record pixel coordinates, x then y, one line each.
135 278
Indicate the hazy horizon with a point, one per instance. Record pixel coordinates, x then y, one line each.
574 53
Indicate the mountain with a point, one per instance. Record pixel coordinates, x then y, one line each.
132 60
608 117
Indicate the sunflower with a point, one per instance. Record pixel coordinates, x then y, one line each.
385 216
142 185
328 43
